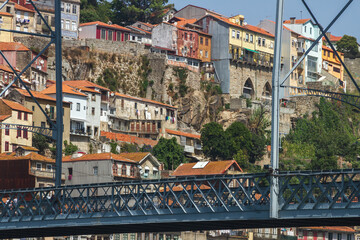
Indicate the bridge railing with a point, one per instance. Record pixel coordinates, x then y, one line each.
193 195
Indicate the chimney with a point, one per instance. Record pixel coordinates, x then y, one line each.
292 20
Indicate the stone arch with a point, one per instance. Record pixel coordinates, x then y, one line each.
267 91
248 89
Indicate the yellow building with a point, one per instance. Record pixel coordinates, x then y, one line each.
23 18
14 113
6 20
332 64
297 49
250 43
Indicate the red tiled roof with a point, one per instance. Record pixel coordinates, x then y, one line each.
98 157
212 168
333 38
148 24
85 83
21 8
258 30
331 229
298 21
137 156
8 69
179 133
85 89
15 106
139 29
6 14
31 156
128 138
12 46
329 49
188 188
28 148
114 26
4 117
143 100
36 94
66 89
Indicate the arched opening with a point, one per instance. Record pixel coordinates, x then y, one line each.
267 91
248 90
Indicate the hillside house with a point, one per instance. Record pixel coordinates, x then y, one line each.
104 31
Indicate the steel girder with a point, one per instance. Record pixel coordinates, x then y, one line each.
242 199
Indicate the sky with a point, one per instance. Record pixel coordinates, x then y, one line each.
256 10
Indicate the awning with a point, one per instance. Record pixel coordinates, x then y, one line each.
251 50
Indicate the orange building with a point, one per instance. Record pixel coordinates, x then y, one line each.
332 64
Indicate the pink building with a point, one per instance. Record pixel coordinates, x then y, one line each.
100 30
326 233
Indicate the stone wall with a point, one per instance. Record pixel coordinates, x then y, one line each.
354 67
240 73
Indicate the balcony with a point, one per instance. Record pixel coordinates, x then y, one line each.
104 98
189 149
78 131
45 174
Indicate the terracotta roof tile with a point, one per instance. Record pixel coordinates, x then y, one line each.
333 38
4 117
114 26
298 21
66 89
332 229
12 46
179 133
212 168
99 157
8 69
21 8
28 148
36 94
140 30
148 24
16 106
6 14
31 156
137 156
144 100
188 187
85 83
128 138
258 30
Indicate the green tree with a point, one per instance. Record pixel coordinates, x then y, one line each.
169 152
113 147
216 143
129 147
348 45
70 148
240 137
127 12
92 10
40 142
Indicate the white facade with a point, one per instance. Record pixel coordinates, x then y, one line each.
313 62
93 114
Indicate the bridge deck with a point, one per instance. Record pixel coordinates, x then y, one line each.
213 202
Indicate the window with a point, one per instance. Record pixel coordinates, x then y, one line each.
110 35
206 42
6 146
324 53
311 30
38 20
247 37
206 54
103 34
335 69
135 105
38 166
251 38
348 237
233 34
8 9
62 23
132 171
93 111
95 170
238 34
49 167
68 7
201 53
125 236
185 36
126 36
73 26
259 41
74 9
201 40
17 28
25 116
26 15
132 236
77 106
70 171
339 236
123 169
62 7
191 37
19 115
7 130
18 133
305 29
118 36
42 124
67 24
263 42
25 133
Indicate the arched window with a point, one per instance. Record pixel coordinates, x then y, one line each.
267 91
115 169
248 90
132 171
123 169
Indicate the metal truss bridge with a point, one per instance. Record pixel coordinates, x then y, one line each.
197 203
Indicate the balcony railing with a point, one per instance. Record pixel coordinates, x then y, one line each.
45 174
78 131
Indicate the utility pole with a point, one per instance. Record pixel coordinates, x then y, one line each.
274 188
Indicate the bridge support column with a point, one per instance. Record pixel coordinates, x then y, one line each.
274 188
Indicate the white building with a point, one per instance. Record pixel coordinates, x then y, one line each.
310 32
